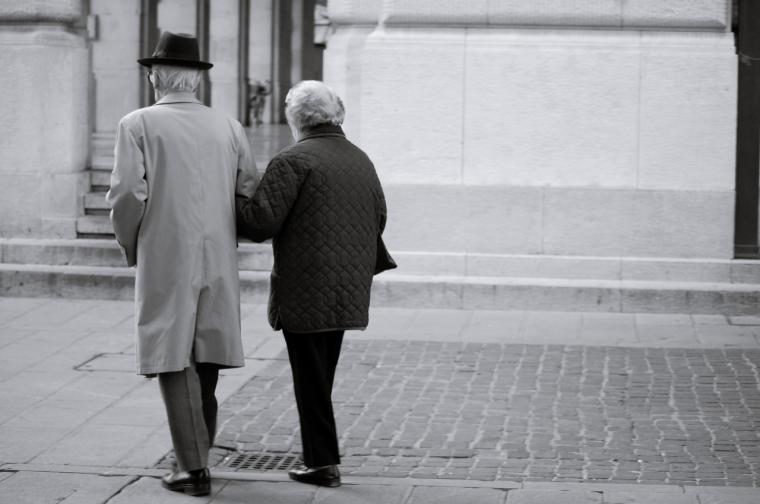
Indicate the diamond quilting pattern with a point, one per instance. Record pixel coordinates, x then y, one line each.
322 202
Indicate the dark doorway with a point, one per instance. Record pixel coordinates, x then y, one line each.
747 32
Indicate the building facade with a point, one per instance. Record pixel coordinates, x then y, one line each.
500 129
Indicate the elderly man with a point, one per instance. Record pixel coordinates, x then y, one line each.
322 204
178 166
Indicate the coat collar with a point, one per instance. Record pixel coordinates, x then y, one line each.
178 97
322 130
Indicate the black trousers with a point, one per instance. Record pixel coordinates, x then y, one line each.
191 408
313 359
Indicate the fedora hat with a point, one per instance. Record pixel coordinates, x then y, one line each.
176 49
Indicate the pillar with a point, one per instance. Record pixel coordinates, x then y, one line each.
45 128
223 52
282 24
116 77
260 47
353 21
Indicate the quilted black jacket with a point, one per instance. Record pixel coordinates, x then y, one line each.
322 204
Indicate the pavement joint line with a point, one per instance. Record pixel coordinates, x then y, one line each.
281 477
252 476
82 425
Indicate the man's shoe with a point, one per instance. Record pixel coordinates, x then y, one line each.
196 482
328 476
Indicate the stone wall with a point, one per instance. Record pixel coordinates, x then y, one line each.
45 127
564 127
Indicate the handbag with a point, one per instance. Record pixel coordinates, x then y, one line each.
384 261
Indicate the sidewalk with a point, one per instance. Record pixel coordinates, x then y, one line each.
432 405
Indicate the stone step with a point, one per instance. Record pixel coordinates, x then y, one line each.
105 253
100 178
96 201
102 163
389 290
97 225
84 252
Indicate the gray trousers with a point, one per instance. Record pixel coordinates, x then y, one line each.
191 410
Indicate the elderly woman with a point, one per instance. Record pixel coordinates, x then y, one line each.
322 204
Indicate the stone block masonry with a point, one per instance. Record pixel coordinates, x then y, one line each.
569 127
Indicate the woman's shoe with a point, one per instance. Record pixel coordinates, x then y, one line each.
328 476
194 483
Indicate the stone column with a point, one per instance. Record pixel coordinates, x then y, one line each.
353 21
45 127
281 51
562 127
117 78
223 49
260 48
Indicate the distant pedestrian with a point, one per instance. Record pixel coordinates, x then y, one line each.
178 166
321 202
259 93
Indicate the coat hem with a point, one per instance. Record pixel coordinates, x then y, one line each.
330 329
153 371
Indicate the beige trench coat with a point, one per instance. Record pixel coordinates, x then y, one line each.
178 165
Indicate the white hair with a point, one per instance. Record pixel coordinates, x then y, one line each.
175 78
310 103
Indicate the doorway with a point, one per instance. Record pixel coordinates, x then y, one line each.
746 28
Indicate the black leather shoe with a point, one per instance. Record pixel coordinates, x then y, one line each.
328 476
196 482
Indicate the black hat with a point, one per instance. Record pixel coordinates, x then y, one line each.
176 49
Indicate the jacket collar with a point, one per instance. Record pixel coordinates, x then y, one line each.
322 130
178 97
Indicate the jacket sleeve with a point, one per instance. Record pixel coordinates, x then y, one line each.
247 175
382 212
128 192
261 216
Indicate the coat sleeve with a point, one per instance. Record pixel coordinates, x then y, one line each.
128 192
382 211
261 216
247 175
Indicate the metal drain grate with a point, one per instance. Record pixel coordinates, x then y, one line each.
260 462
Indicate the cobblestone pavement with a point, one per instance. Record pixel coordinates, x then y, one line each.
492 412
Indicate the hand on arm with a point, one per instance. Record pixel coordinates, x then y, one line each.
261 216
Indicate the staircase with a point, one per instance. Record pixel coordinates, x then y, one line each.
95 222
92 267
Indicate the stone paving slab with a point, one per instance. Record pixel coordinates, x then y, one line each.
496 412
425 394
12 307
629 497
437 495
352 494
265 492
52 488
142 485
148 490
719 496
548 496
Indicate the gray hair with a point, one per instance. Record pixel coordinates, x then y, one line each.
175 78
310 103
